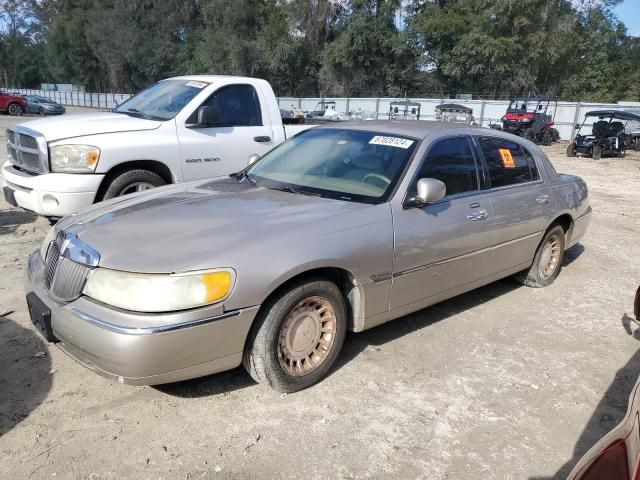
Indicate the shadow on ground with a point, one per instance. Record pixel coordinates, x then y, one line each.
10 220
611 409
572 254
25 380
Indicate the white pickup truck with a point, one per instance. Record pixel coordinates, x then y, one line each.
179 129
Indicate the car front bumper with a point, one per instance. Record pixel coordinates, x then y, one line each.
144 349
51 194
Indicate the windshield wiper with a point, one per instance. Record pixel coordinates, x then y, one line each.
242 174
289 189
134 112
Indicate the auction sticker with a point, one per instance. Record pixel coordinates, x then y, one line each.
391 141
195 84
507 159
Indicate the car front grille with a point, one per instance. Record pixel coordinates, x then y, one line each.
24 152
28 142
64 278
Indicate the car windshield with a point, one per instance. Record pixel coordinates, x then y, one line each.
163 100
352 165
527 105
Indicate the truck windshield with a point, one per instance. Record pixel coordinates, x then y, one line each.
163 100
352 165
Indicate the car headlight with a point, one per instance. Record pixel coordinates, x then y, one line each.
154 292
74 158
51 236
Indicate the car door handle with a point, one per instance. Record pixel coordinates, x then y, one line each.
262 139
479 215
543 199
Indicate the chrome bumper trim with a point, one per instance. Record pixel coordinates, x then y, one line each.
150 330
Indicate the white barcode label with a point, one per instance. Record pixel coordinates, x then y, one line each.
193 83
391 141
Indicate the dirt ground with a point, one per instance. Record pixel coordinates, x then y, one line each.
505 382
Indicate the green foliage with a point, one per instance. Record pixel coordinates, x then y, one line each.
494 48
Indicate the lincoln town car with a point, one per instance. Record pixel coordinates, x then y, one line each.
342 227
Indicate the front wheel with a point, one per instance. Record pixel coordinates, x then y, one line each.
547 261
297 336
571 150
596 152
132 181
15 110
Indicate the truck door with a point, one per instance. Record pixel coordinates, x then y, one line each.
243 130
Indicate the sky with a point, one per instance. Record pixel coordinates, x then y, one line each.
629 13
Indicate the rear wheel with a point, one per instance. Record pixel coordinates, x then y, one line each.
297 336
15 110
596 153
547 138
132 181
547 261
571 150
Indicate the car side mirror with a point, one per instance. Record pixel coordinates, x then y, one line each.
429 190
206 117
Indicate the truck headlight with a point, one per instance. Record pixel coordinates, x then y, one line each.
51 236
142 292
74 158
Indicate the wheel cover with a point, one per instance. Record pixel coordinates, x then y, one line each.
135 187
307 336
550 256
14 109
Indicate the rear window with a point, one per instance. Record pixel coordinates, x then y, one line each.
507 162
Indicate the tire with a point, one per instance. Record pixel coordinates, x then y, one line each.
269 354
41 112
596 152
547 261
571 150
622 152
547 138
131 181
15 110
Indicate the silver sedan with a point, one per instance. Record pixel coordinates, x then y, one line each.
343 227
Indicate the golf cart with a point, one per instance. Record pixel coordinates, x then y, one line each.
528 117
322 107
456 113
404 110
607 135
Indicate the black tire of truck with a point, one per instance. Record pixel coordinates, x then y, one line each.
132 181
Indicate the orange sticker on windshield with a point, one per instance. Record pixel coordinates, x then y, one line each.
507 159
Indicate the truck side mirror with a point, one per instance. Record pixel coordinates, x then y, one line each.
207 117
429 190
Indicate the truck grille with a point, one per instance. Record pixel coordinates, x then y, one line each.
24 152
64 278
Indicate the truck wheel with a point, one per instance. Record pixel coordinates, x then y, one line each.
547 261
571 150
596 152
132 181
297 336
15 110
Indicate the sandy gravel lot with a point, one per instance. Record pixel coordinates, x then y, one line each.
505 382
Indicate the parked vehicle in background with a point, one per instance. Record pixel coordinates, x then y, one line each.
404 110
344 227
179 129
43 105
321 109
456 113
603 132
12 104
529 117
617 455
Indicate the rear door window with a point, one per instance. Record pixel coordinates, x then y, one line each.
451 161
507 162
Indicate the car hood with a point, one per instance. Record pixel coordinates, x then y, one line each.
194 226
80 125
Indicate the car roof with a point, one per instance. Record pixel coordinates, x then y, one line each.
413 128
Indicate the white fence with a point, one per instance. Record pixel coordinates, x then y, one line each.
566 114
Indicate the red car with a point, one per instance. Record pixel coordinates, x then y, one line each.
12 104
617 455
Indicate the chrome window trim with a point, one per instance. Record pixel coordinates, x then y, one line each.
42 151
150 330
